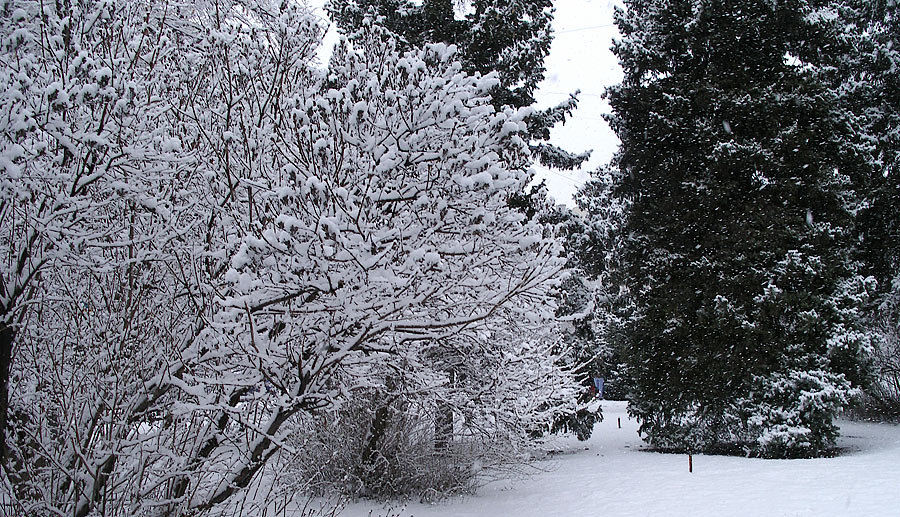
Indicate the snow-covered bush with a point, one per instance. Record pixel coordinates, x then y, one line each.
206 239
882 399
884 394
378 445
441 420
793 414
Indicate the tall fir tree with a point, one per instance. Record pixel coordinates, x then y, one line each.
866 74
509 37
739 256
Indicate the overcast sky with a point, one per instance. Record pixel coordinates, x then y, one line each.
579 59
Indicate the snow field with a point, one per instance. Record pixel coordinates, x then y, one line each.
612 475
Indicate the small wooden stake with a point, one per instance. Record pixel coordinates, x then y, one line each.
690 463
620 422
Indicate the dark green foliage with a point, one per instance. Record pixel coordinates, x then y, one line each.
866 74
739 236
509 37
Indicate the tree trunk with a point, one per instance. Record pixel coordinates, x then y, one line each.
6 343
376 433
443 421
443 427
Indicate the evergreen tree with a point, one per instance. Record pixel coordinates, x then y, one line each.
746 330
866 74
585 353
591 303
509 37
596 255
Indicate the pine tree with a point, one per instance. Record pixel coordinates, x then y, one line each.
738 253
509 37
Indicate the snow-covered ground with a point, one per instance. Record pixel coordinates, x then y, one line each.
611 475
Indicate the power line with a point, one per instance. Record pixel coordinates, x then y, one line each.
567 94
563 176
580 29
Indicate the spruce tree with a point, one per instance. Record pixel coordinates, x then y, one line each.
509 37
738 254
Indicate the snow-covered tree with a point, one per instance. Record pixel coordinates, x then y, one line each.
863 71
90 167
592 301
202 233
508 37
739 237
109 245
597 253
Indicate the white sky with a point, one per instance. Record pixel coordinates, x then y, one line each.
580 59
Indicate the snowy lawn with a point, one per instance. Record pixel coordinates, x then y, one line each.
612 475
